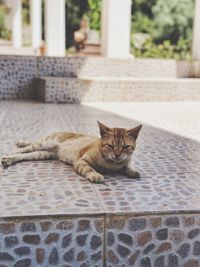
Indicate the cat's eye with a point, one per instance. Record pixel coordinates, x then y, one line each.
111 146
126 146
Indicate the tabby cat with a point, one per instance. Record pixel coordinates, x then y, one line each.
90 156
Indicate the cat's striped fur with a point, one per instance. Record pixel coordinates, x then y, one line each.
91 157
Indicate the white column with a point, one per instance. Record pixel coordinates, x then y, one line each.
116 28
196 32
17 23
55 27
36 22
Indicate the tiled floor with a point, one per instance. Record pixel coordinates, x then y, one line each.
64 220
169 166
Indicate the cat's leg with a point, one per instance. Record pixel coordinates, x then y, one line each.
23 143
83 168
37 155
38 146
130 172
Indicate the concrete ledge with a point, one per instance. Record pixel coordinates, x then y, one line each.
142 90
89 89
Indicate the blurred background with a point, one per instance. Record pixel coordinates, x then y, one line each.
159 28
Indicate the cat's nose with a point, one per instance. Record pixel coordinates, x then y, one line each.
117 155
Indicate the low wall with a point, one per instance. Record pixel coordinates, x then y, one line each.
18 72
114 241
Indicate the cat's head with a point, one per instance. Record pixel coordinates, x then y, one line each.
118 144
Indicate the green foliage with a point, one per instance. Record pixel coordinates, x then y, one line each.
166 49
94 14
168 26
26 11
173 19
4 32
163 20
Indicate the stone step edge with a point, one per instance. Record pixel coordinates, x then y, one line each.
104 214
121 79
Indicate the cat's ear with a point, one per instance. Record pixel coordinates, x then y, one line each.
103 129
134 132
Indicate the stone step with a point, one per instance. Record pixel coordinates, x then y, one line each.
111 67
87 89
60 90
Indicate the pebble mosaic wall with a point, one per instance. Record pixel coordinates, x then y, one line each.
60 90
19 72
105 67
153 241
16 77
59 67
52 242
144 241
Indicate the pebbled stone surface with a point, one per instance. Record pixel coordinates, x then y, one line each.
56 246
162 242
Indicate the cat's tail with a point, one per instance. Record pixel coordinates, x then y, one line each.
23 143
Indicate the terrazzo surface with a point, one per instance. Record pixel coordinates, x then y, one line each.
169 167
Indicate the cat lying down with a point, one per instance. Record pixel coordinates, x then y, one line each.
90 156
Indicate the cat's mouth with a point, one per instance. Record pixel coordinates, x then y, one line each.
114 160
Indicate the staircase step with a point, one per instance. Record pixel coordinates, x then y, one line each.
130 67
88 89
60 90
142 89
109 67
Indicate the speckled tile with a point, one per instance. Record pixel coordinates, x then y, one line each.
45 188
157 193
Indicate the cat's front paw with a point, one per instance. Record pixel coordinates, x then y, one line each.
132 173
6 162
95 178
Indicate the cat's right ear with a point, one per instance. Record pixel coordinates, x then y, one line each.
103 129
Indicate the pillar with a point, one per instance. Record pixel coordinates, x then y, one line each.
17 23
55 27
36 22
116 28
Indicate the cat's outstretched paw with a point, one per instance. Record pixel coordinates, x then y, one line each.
95 178
132 173
6 162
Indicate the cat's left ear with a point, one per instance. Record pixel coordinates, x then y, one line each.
103 129
134 132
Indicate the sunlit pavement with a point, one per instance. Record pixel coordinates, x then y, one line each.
182 118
